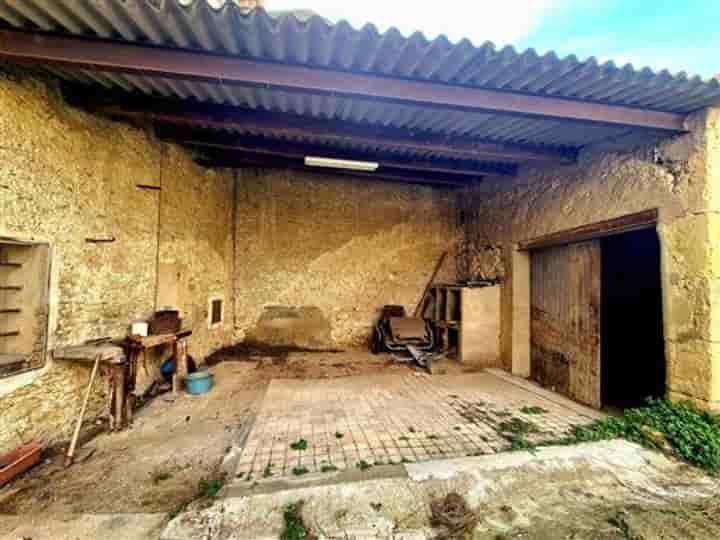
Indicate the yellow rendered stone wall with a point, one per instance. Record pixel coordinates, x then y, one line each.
331 251
66 176
611 181
196 246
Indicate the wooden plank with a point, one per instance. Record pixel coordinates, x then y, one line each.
12 359
11 264
479 339
565 325
279 125
148 342
10 334
109 56
10 287
632 222
11 310
109 353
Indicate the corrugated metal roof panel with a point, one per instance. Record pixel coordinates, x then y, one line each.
533 131
221 27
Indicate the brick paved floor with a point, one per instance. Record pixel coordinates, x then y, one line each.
311 425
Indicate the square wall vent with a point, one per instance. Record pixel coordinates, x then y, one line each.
216 312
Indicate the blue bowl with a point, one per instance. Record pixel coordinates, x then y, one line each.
199 382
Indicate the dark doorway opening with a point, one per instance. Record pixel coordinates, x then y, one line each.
632 346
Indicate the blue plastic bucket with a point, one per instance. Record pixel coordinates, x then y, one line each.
199 382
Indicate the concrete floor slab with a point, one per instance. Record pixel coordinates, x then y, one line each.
588 491
306 426
85 527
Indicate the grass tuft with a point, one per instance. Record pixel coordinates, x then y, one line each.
533 410
294 526
363 465
299 445
210 488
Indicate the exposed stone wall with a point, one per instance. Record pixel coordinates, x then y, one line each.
67 176
196 246
611 182
318 256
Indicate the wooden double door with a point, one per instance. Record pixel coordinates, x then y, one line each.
565 320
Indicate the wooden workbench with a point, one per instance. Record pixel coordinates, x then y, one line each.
138 345
113 363
120 361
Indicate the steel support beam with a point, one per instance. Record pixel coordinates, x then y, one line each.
292 151
123 57
283 126
260 161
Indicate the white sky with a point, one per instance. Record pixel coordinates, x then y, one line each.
480 21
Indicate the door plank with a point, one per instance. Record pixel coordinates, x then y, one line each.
565 325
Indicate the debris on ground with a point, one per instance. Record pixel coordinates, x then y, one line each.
250 351
452 516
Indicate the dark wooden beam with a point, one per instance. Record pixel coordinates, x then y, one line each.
123 57
632 222
246 145
258 161
279 125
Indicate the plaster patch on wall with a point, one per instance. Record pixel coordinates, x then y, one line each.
289 326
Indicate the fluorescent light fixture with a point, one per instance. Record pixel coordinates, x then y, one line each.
312 161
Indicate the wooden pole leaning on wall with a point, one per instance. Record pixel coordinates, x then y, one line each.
436 271
69 456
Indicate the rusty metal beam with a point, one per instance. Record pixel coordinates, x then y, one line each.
258 146
260 161
623 224
123 57
279 125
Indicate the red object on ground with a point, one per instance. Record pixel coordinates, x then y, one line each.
18 461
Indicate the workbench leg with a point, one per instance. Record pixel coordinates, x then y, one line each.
111 399
176 374
180 353
119 397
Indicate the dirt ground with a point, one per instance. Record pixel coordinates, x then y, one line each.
156 467
174 444
693 520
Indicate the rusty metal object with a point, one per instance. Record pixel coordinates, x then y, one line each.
18 461
165 322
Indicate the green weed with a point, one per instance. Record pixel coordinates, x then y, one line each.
294 526
210 488
691 434
299 445
533 410
363 465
